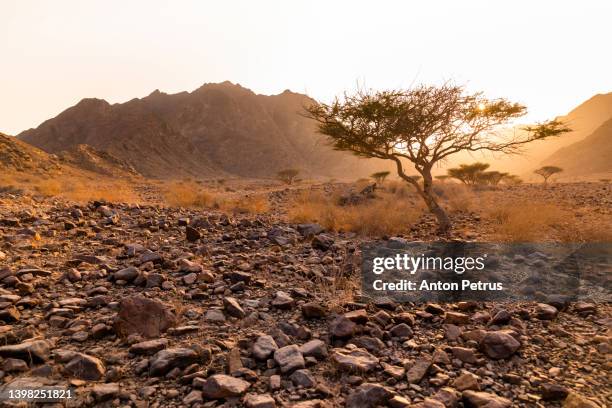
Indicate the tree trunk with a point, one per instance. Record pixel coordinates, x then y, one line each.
444 223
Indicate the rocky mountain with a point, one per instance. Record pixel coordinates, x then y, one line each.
216 130
590 156
97 161
17 156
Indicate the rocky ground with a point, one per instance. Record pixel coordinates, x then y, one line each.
146 306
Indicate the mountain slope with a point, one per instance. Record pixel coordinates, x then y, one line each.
592 155
17 156
216 130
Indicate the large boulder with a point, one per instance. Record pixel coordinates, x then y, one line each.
145 317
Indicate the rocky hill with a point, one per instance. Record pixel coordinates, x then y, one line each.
590 156
216 130
16 155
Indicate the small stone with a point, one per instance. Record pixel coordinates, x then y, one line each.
14 364
85 367
467 355
127 274
401 331
342 327
165 360
466 381
149 347
314 348
499 345
456 318
553 392
354 360
477 399
313 310
223 386
233 308
214 315
289 358
259 401
146 317
263 347
303 378
36 351
368 395
192 234
546 312
418 371
282 300
103 392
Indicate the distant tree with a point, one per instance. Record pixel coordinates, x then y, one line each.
548 171
491 178
380 176
604 180
469 174
423 126
512 179
288 176
442 178
415 177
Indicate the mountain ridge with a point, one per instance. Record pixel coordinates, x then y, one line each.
218 129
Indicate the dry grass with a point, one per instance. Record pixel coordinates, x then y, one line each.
385 215
191 194
74 188
252 204
457 197
188 194
525 222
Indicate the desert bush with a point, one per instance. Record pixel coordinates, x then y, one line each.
384 215
251 204
48 187
524 222
188 194
457 197
288 176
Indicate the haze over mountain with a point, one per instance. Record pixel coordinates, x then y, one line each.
217 130
583 120
592 156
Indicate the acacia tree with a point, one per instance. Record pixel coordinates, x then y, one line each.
380 176
423 126
469 174
548 171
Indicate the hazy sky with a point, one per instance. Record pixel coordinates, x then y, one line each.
550 55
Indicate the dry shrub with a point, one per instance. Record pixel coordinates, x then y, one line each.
188 194
48 188
252 204
384 215
525 222
88 190
457 197
79 189
399 188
